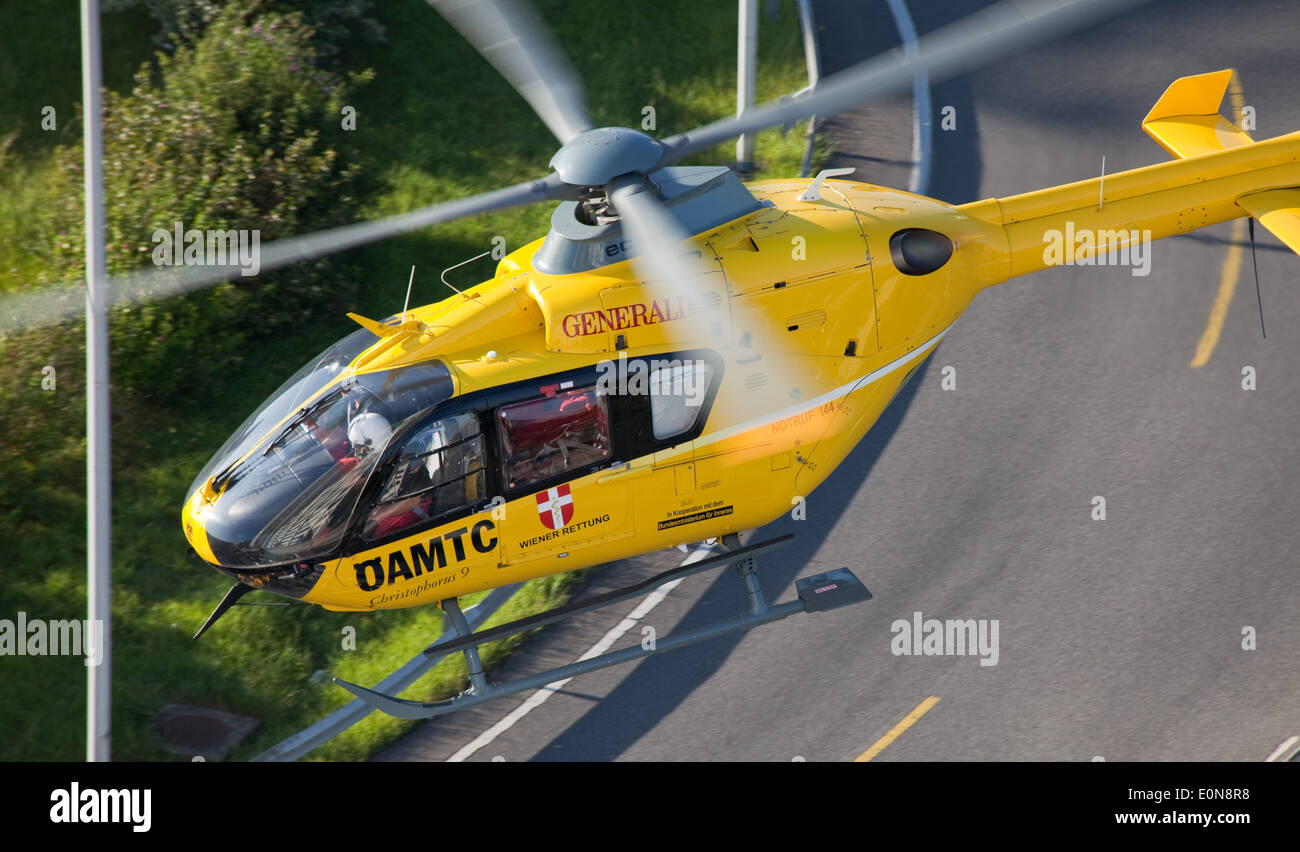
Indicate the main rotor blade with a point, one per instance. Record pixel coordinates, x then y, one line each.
676 271
49 306
657 239
956 48
508 34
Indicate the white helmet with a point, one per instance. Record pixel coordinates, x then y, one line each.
369 430
433 464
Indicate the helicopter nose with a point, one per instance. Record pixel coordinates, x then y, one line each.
192 515
294 580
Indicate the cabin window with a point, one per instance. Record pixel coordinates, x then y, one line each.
677 395
438 470
555 435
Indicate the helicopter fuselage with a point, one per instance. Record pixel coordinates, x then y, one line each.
807 329
545 441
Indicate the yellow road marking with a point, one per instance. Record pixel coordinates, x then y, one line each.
1227 285
897 731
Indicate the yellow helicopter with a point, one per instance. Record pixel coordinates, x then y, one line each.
683 356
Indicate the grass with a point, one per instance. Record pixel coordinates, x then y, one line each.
436 123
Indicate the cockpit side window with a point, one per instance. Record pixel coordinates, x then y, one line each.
439 469
677 393
560 433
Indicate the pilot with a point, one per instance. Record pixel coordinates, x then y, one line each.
367 433
446 480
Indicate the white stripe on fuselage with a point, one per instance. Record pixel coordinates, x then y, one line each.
829 396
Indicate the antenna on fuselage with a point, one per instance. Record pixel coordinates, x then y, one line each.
407 303
458 266
1255 264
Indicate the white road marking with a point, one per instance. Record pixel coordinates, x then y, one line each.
541 696
922 129
1282 750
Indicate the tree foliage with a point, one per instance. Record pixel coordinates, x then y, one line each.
240 130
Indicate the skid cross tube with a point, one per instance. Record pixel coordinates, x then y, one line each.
816 594
405 709
734 555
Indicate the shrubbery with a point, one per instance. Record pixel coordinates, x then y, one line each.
334 21
240 130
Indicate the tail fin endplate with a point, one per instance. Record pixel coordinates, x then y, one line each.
1186 123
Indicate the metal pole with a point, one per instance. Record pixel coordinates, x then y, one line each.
746 74
812 58
98 483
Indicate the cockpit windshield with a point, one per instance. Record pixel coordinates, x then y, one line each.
314 375
293 497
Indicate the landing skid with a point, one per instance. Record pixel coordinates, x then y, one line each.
818 593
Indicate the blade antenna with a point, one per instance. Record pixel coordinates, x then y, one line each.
407 303
1255 263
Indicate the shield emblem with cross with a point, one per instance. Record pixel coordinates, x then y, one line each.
555 507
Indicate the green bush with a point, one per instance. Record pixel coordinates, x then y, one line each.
335 21
183 19
241 130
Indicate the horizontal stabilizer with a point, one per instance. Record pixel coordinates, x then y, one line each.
1279 211
1186 121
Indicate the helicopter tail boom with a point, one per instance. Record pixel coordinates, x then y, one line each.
1221 174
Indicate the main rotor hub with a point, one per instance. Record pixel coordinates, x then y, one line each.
596 157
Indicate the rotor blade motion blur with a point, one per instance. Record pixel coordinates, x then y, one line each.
50 306
673 269
958 47
509 35
657 237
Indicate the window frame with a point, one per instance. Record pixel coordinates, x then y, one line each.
701 413
542 483
356 541
630 427
480 436
630 418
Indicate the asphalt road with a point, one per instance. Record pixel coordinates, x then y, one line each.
1118 638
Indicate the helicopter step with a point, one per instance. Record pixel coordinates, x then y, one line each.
818 593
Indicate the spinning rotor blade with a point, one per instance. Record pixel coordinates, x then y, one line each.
509 35
50 306
658 240
948 52
670 270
